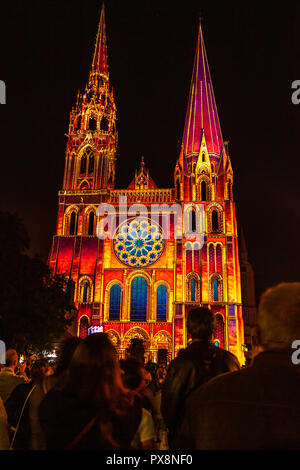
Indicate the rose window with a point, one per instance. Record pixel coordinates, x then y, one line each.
138 242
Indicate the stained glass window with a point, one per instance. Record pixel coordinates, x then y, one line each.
85 292
115 302
138 243
193 290
138 303
161 303
216 289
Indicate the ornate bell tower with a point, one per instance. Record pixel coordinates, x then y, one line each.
92 137
203 175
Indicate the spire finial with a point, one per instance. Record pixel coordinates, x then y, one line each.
202 109
100 54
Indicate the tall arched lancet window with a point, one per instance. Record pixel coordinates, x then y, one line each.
83 164
203 157
85 292
192 226
91 163
73 223
193 290
203 191
91 223
138 299
178 190
216 290
215 221
92 124
87 162
115 302
161 303
104 124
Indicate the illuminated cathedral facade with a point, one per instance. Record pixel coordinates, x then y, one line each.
139 283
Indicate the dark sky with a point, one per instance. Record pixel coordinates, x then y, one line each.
254 55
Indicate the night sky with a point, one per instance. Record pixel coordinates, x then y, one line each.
254 56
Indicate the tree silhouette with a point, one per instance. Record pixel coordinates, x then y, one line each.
35 307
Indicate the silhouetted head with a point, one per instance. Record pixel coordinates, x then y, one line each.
39 369
94 373
94 378
66 352
279 315
133 373
11 358
201 323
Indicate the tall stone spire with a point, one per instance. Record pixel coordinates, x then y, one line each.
202 112
100 54
93 137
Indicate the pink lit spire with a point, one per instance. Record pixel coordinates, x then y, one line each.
202 110
100 54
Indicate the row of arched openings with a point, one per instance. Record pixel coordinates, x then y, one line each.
193 288
138 301
202 191
71 223
92 123
215 220
219 339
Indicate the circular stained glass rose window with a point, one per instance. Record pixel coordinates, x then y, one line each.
138 242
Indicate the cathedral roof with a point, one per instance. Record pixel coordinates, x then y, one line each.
202 110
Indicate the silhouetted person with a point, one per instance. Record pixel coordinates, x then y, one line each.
17 407
4 438
133 377
196 364
46 383
90 408
8 379
152 401
258 406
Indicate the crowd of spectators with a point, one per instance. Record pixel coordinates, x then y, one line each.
203 400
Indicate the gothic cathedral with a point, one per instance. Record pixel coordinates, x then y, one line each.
140 283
